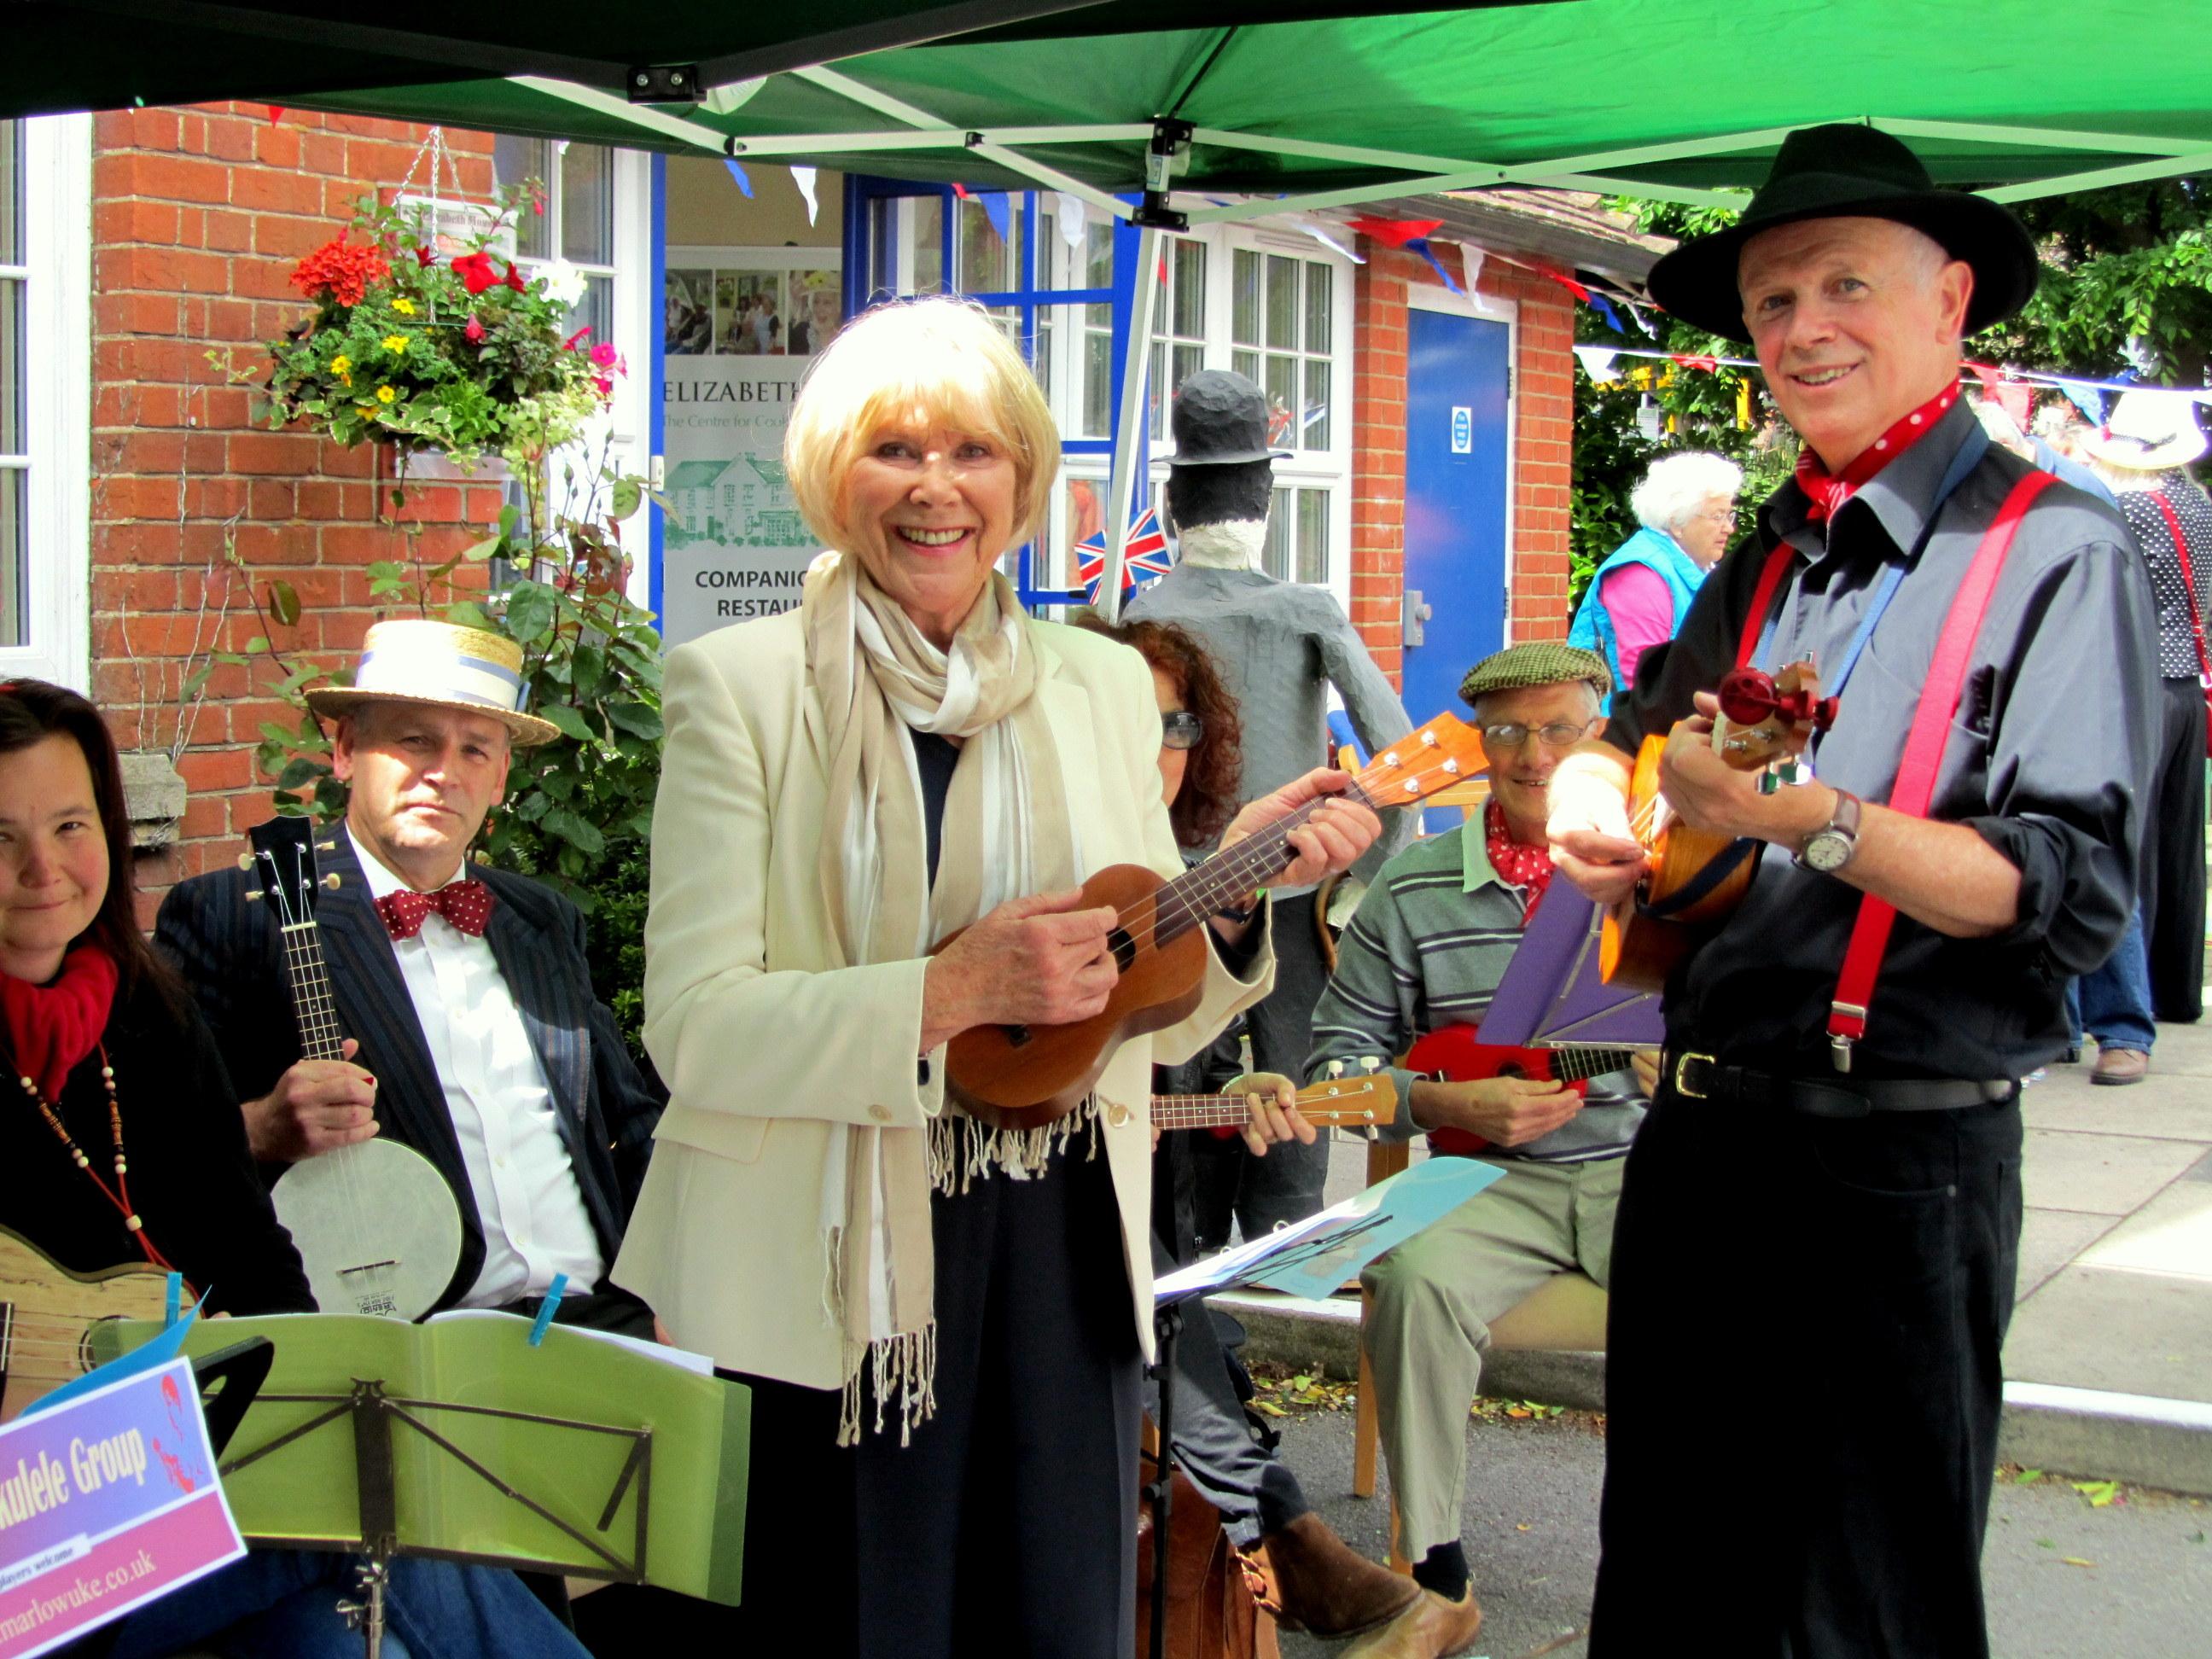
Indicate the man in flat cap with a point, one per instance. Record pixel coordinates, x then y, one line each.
1426 949
1838 1112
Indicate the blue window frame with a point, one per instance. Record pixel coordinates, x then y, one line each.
881 264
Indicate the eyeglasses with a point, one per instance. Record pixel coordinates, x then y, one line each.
1559 734
1719 515
1180 730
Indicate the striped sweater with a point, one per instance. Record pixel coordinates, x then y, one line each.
1427 948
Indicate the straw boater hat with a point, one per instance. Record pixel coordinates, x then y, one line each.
1537 662
2149 431
444 665
1851 171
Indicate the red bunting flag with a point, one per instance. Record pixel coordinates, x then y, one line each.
1396 233
1706 360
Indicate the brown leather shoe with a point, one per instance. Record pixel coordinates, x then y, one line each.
1318 1582
1430 1628
2117 1067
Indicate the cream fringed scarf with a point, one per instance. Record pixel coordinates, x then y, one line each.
1006 832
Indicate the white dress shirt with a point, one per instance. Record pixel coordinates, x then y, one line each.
527 1201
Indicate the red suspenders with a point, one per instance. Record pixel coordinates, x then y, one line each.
1924 744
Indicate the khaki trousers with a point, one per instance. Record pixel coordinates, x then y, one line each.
1428 1324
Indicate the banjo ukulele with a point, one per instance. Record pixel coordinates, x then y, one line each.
376 1224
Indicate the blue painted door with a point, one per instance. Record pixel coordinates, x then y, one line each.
1455 503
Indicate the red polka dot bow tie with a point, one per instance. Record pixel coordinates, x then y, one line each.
466 904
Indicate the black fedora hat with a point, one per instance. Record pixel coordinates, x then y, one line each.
1847 171
1220 419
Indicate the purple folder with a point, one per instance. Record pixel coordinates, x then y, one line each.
1552 996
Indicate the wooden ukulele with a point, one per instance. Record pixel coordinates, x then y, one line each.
1022 1077
48 1314
1348 1102
1694 879
376 1225
1451 1054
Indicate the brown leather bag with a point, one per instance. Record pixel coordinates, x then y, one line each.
1213 1610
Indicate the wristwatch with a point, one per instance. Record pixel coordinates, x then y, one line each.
1829 848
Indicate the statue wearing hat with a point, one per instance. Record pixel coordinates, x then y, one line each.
473 1033
1427 950
1280 646
1836 1135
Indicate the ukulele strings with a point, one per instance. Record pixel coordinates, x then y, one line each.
1252 859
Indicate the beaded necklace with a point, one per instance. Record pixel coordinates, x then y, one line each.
119 1194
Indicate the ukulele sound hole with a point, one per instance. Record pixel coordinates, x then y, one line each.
1018 1036
1124 947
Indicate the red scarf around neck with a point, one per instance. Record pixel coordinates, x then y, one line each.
51 1028
1528 868
1828 491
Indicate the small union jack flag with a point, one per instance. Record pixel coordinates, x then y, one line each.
1144 559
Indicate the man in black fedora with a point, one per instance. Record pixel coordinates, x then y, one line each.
1838 1118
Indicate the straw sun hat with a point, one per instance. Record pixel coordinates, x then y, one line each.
444 665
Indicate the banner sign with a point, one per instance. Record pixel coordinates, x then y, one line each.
740 327
106 1504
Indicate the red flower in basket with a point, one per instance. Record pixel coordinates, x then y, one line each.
475 272
514 279
425 257
340 270
474 332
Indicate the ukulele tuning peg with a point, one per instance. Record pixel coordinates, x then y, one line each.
327 847
1371 1063
1390 757
1452 766
331 881
246 861
1429 739
1369 1132
1336 1068
253 898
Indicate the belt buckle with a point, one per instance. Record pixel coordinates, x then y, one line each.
1682 1076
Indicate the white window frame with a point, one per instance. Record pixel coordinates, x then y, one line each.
632 305
1330 468
1484 308
58 403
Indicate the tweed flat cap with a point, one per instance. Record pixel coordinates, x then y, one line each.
1537 662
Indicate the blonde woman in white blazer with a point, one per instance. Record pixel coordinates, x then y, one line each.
943 1325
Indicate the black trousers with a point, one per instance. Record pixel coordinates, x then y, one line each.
1845 1285
1008 1527
1217 1444
1263 1192
2173 875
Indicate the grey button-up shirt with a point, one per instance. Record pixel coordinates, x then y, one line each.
1279 645
2050 759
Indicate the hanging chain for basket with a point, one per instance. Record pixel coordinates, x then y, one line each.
435 156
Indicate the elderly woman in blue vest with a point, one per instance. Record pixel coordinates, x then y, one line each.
1686 506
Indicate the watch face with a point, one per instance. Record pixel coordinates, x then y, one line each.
1828 851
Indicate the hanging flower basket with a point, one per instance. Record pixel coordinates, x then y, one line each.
429 345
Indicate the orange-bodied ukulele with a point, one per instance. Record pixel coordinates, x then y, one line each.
1020 1077
1694 879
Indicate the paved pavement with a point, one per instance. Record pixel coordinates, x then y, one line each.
2110 1356
2062 1578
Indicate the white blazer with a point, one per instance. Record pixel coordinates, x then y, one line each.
767 1048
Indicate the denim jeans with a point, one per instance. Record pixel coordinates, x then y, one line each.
2113 1003
282 1604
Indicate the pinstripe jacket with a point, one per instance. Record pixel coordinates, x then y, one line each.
229 953
1425 949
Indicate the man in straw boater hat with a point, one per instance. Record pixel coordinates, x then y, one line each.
473 1033
1426 950
1822 1210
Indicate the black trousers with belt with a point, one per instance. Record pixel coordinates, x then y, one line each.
1008 1526
1844 1284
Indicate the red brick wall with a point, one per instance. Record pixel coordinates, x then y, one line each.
1543 415
199 216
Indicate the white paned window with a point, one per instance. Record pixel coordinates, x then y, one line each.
597 219
46 368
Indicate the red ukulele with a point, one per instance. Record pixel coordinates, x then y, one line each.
1452 1055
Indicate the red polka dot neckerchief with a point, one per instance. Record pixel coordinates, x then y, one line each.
466 904
1528 868
1827 491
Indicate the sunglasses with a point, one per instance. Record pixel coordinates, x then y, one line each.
1180 730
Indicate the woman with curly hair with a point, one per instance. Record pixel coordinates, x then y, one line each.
1315 1580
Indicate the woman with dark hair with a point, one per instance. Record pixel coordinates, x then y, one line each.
1314 1580
125 1147
107 1053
